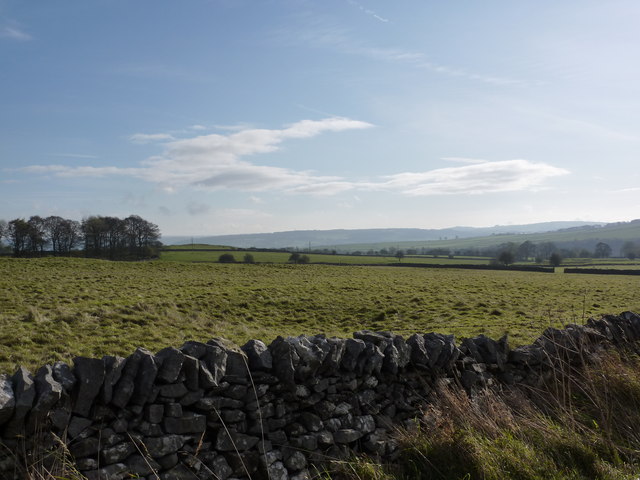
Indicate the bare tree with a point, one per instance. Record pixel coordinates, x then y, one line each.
37 235
18 235
603 250
141 233
94 231
630 250
3 230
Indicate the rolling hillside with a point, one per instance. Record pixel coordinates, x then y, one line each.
586 236
344 238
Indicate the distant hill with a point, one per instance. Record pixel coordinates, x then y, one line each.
577 237
343 239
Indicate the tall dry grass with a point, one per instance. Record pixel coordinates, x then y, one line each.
583 423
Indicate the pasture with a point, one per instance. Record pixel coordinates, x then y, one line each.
55 308
203 255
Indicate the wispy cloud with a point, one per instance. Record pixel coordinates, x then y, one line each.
368 11
216 162
13 31
74 155
478 178
321 35
150 137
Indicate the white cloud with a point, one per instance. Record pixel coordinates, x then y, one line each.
477 178
216 162
150 137
83 171
14 32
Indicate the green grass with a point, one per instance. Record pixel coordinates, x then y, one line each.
200 255
56 308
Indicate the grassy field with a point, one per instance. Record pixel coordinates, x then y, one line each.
55 308
210 255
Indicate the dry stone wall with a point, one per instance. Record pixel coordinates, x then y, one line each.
216 411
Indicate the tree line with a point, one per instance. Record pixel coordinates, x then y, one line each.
95 236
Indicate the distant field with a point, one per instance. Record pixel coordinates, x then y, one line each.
52 309
611 232
207 254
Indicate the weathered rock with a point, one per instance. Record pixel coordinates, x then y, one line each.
77 425
295 461
230 441
302 475
168 461
170 362
311 422
334 349
173 410
370 361
141 466
311 357
145 377
347 435
469 379
116 471
48 393
90 374
113 367
364 424
191 398
63 374
189 423
87 447
277 471
244 464
352 352
258 355
173 390
216 359
158 447
220 468
419 355
123 389
442 351
528 355
486 350
117 453
179 472
285 360
191 369
397 355
206 379
24 390
7 399
154 413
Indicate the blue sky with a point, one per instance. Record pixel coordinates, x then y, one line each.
230 116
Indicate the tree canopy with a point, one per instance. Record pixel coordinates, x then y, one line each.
107 237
